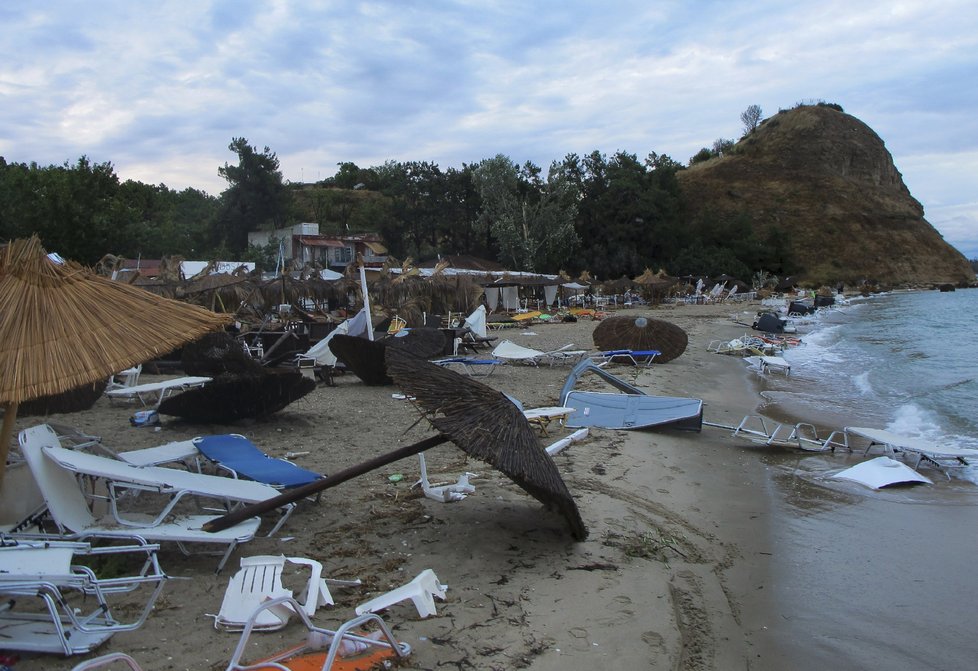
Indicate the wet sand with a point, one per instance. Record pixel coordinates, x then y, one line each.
695 560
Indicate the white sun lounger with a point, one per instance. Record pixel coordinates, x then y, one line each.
153 393
69 507
510 351
542 418
175 483
61 606
943 457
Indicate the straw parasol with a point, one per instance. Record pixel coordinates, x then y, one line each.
63 326
488 426
641 333
364 357
478 419
423 342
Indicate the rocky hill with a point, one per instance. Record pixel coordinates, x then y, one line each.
828 182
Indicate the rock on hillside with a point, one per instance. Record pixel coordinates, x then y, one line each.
827 181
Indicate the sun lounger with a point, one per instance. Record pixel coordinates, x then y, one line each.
69 508
471 366
153 393
542 418
943 457
242 459
176 484
635 356
61 606
510 351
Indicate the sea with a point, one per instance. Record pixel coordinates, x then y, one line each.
906 362
862 578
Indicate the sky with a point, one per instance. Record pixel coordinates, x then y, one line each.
160 89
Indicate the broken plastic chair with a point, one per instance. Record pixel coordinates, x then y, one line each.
349 646
260 579
421 591
444 493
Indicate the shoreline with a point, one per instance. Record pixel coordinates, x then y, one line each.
678 523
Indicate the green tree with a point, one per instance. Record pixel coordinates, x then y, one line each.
256 196
531 218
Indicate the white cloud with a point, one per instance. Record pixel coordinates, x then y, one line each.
160 90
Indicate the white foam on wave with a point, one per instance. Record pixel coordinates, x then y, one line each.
862 383
910 419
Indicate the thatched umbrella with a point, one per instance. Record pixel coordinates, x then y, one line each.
478 419
641 333
63 326
364 357
422 342
487 425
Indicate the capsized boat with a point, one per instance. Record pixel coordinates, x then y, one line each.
632 409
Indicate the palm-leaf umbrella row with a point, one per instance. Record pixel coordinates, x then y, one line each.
63 326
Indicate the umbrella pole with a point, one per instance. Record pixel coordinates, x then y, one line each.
9 417
241 514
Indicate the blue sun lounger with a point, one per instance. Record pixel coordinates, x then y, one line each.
242 459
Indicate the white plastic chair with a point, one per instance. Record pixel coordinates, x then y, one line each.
259 580
421 591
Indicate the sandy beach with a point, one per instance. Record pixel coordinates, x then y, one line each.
667 579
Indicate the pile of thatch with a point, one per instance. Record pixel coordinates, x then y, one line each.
232 397
641 333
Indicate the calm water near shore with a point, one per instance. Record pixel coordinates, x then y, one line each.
863 579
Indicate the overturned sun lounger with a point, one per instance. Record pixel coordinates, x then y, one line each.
510 351
943 457
633 409
471 366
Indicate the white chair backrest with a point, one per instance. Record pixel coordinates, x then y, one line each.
60 489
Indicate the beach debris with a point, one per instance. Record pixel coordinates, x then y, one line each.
230 398
444 493
881 472
421 591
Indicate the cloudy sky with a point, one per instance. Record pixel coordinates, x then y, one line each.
160 89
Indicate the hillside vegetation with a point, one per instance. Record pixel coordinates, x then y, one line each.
825 181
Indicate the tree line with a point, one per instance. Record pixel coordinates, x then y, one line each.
610 215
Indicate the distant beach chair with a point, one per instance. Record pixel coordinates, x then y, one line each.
510 351
637 357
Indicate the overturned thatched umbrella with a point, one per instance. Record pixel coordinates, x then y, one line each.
641 333
422 342
63 326
364 357
478 419
228 398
